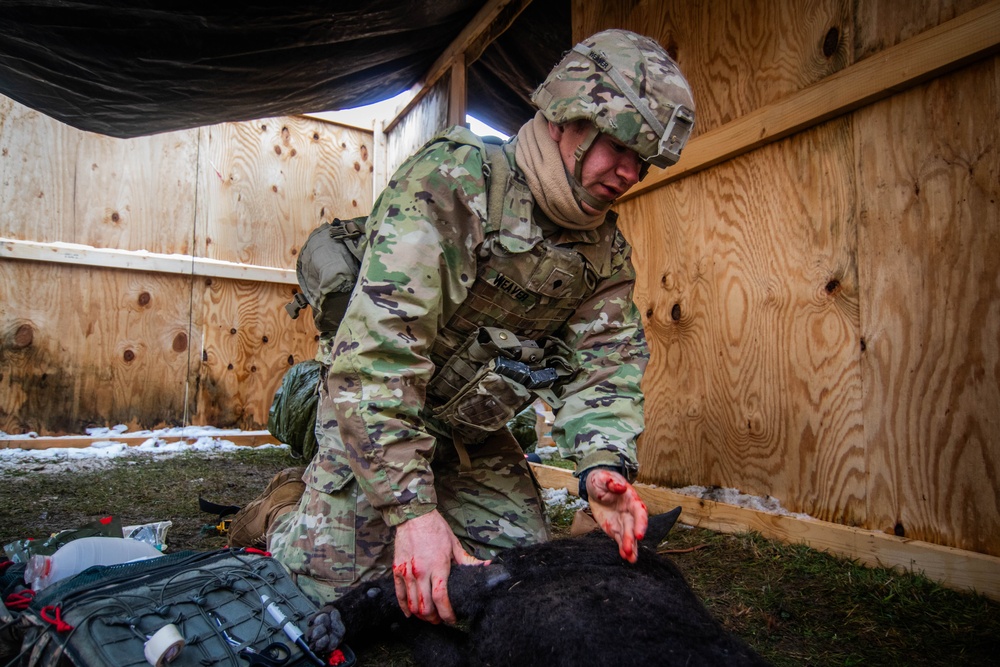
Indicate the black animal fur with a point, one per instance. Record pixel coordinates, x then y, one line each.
566 603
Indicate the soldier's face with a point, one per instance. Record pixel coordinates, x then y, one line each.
609 168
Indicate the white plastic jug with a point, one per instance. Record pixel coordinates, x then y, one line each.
76 556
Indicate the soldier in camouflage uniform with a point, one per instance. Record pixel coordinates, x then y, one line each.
465 310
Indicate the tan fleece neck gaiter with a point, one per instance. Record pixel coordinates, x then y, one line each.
538 157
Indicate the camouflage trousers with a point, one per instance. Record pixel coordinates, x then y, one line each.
332 541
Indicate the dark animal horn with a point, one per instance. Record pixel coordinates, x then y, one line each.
660 525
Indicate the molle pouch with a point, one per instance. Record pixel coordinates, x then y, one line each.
559 356
494 375
484 405
482 345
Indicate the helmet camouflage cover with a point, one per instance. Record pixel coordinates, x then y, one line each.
629 87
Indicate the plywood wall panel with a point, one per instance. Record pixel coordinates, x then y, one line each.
83 345
885 23
248 343
749 285
930 227
824 310
60 184
136 194
674 293
268 183
738 55
37 163
91 347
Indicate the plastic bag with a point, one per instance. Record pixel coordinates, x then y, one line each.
20 551
151 533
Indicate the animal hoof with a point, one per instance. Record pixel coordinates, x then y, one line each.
326 630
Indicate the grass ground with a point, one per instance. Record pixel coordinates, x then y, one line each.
794 605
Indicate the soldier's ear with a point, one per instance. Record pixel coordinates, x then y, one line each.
555 131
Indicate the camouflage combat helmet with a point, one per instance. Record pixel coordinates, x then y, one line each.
629 88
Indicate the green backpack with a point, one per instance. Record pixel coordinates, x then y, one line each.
327 269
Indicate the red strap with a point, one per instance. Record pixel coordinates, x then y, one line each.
61 626
5 564
19 601
259 552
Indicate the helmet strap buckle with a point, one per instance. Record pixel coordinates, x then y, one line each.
576 179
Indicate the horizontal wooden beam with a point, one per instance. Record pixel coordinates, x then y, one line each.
243 438
948 46
343 119
954 568
494 17
141 260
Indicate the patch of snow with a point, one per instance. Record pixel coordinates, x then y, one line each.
767 504
556 497
547 453
204 440
114 430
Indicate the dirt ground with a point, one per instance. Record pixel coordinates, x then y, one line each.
794 605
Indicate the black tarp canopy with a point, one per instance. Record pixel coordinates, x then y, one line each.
134 67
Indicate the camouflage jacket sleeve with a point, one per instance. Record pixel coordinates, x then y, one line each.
422 234
603 412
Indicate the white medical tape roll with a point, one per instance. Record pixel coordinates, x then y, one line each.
165 645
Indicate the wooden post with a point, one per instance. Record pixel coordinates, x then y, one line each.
457 93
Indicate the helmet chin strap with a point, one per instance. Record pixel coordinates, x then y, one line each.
576 178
